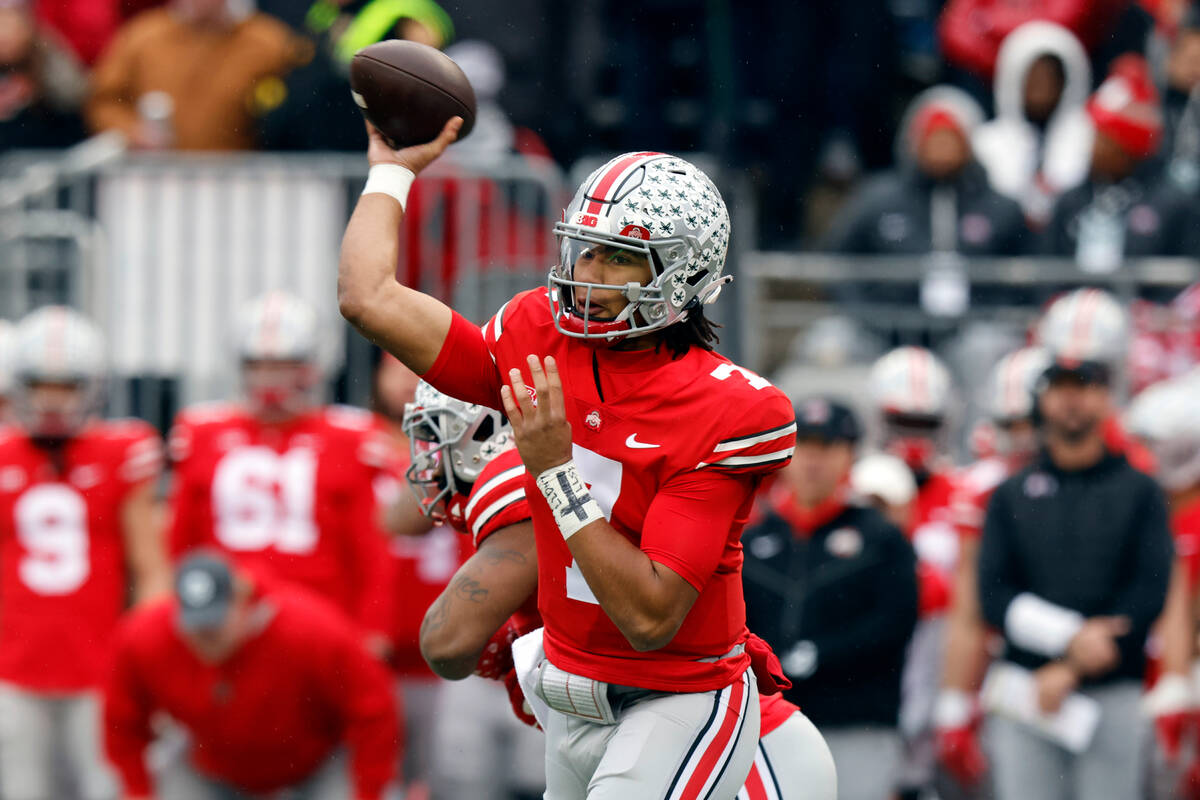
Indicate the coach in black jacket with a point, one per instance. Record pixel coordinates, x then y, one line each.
1073 570
832 587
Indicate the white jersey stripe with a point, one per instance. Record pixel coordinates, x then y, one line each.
738 444
498 322
742 461
481 492
494 509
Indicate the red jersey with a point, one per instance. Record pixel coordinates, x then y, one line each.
62 549
267 717
672 449
296 499
774 711
935 542
973 489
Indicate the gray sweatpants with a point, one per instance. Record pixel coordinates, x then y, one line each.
181 781
39 734
1026 766
867 760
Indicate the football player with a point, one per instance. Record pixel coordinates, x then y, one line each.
7 356
911 391
78 531
464 466
1163 417
1008 405
281 482
644 450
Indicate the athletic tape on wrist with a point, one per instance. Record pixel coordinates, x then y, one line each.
392 180
569 499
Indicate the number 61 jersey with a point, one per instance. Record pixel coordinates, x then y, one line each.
672 449
63 577
296 500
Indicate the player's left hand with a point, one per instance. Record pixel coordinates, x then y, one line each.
539 422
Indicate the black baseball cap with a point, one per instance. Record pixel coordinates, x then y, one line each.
826 419
204 590
1089 373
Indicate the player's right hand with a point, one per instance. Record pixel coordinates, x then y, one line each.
415 158
1093 650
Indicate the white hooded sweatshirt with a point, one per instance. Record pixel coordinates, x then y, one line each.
1031 165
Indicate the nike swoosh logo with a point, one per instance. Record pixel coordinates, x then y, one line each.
633 443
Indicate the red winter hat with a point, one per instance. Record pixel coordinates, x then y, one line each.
1126 107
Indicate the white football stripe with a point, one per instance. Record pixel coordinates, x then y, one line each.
494 509
482 491
737 444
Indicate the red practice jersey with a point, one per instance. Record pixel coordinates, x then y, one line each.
297 499
973 489
64 582
300 687
672 449
935 541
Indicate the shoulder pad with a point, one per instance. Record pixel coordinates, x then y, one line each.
759 438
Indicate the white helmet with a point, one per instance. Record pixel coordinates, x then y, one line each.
8 357
55 344
1011 385
661 208
1085 325
1164 417
911 382
278 327
445 431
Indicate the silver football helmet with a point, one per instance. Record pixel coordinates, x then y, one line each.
659 208
58 345
450 442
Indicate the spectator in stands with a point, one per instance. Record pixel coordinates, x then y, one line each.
271 685
972 31
1181 102
1037 146
42 85
193 75
1073 570
832 587
938 198
312 108
1125 208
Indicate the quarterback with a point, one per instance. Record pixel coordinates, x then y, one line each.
643 448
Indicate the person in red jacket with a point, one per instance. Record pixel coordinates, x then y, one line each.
270 684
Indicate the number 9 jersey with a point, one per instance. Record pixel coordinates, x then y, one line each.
672 449
63 577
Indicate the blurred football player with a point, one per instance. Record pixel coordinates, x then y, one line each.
911 391
465 466
1008 404
284 483
78 530
640 478
421 566
7 367
1164 418
271 685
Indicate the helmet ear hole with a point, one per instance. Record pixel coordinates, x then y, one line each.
485 430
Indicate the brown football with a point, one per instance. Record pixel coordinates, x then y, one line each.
409 90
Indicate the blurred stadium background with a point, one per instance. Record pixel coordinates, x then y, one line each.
160 202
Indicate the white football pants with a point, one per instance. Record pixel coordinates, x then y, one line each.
792 763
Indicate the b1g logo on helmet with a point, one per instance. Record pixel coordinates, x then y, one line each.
586 220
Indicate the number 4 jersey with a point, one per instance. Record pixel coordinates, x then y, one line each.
672 449
296 500
63 577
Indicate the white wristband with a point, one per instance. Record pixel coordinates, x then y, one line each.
568 498
392 180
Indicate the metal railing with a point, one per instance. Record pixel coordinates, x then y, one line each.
896 298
